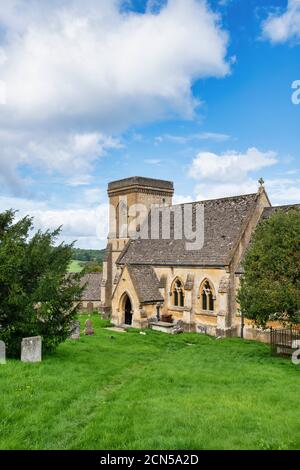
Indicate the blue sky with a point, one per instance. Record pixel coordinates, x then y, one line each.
192 91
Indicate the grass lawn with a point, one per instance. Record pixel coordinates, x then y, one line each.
151 392
75 266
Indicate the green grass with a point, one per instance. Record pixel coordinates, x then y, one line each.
75 266
151 392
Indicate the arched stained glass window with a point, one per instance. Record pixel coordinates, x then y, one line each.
207 297
178 293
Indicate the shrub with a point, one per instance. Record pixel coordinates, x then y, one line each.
270 286
37 297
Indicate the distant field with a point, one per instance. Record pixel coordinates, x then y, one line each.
83 256
75 266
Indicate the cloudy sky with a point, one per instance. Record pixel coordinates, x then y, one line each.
190 90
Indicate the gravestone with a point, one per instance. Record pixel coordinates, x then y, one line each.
31 349
2 353
75 330
89 330
90 306
296 344
202 329
178 328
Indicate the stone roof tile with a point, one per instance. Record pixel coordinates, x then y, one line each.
92 291
145 283
223 221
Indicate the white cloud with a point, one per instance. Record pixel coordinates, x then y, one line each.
155 5
224 3
88 225
94 195
214 190
77 223
231 174
282 27
281 191
179 199
2 91
70 155
87 60
184 139
284 190
230 166
77 73
152 161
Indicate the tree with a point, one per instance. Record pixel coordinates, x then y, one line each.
92 267
270 285
37 297
88 255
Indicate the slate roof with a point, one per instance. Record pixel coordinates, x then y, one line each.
145 283
93 288
223 222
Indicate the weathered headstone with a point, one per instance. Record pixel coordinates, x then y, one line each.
2 353
178 328
75 330
201 329
31 349
89 330
90 306
296 344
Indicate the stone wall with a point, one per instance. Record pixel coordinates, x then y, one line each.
90 306
137 192
192 314
123 289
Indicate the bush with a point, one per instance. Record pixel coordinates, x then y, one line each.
270 286
92 267
37 297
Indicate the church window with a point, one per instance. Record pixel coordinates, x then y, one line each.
207 297
178 293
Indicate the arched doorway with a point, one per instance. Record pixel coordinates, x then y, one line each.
128 310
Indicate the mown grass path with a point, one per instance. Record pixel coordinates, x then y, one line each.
151 392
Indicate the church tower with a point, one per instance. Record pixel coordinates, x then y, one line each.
130 201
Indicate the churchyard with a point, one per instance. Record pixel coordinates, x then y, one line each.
151 391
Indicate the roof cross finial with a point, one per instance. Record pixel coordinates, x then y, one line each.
261 182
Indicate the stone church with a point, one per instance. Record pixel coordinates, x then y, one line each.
158 282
